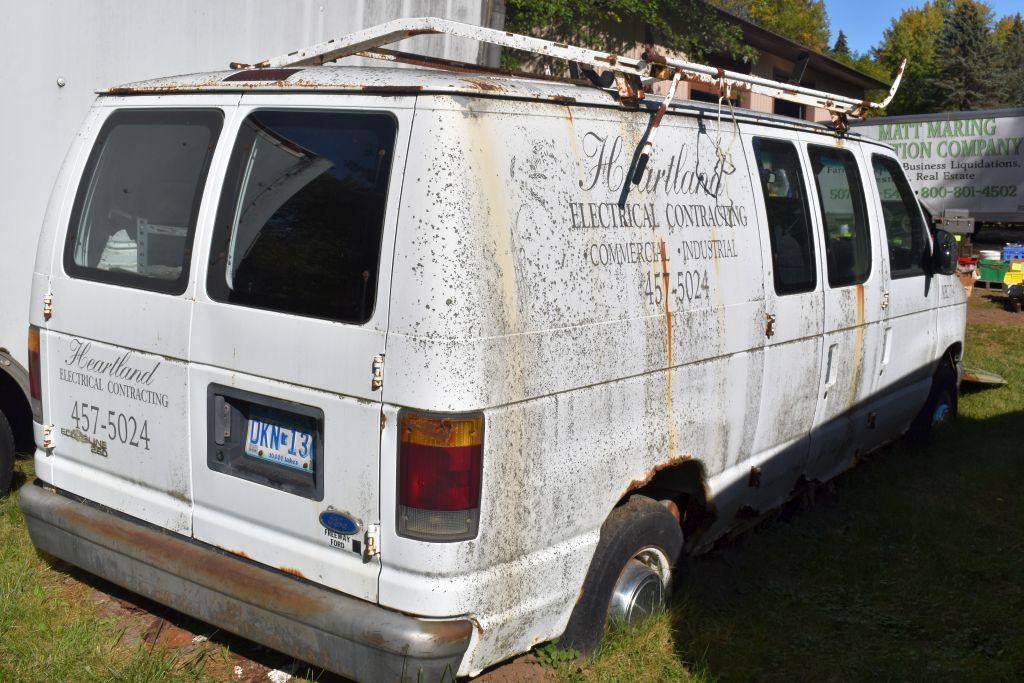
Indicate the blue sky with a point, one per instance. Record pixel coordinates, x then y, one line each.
863 21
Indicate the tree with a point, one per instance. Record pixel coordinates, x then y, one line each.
803 21
841 48
688 26
964 58
912 35
1009 41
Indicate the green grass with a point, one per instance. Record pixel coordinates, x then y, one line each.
910 567
51 631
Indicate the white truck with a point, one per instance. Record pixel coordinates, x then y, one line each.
962 165
65 51
403 372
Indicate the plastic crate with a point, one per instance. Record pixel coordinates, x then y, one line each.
1012 251
992 270
1013 277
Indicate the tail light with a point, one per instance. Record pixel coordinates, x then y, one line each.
439 476
35 382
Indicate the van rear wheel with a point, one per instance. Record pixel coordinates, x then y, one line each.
6 455
631 573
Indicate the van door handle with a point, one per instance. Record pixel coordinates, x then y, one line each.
829 369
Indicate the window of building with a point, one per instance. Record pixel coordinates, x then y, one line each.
301 215
841 197
789 223
134 217
904 227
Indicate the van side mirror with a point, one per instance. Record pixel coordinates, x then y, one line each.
944 258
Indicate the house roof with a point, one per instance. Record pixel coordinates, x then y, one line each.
769 41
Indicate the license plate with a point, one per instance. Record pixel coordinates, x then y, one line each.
279 438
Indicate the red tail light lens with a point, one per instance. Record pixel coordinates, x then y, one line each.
35 383
439 476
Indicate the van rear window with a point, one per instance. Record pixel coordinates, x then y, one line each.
301 214
134 217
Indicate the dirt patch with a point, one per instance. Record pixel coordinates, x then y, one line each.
989 308
523 668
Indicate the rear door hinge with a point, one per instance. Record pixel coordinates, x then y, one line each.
769 325
48 438
377 381
47 307
371 540
885 300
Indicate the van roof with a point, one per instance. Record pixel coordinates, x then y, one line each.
392 80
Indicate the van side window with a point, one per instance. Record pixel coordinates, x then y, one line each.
789 225
301 214
904 227
847 242
134 216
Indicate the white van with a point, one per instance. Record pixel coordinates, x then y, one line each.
403 372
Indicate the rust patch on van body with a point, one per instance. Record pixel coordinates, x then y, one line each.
485 85
646 479
293 571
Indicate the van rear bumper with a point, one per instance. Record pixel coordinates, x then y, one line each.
315 624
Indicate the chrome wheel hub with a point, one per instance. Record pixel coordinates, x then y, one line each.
641 588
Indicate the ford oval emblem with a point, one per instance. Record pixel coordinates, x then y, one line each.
340 523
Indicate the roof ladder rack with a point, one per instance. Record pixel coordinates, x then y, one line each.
627 71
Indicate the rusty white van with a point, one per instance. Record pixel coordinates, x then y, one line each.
405 371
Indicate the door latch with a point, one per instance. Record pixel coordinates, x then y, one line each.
370 542
378 372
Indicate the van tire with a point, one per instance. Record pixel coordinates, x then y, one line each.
940 410
6 455
638 524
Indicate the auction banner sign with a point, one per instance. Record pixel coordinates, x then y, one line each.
960 160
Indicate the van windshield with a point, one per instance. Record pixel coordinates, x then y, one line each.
134 217
302 211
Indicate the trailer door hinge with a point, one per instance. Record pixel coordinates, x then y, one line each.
47 307
370 542
378 372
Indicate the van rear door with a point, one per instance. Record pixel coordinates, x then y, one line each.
293 310
117 343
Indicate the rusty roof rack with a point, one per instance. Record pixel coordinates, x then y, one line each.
628 72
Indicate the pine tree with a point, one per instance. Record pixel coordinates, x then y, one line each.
1009 40
965 59
841 48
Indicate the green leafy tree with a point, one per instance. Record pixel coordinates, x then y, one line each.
965 59
912 35
1008 38
803 21
841 48
688 26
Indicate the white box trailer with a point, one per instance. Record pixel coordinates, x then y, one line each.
59 54
960 163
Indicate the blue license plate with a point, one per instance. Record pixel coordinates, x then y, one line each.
280 438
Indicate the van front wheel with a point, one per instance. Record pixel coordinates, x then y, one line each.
939 413
6 455
631 572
